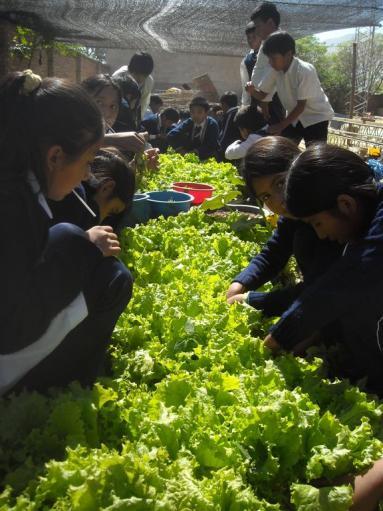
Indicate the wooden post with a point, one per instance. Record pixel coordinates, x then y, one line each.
50 61
353 83
6 31
78 68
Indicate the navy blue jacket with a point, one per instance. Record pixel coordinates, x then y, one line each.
35 286
71 210
182 137
349 293
229 132
151 124
291 237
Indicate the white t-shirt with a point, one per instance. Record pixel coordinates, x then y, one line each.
239 148
301 82
146 90
262 71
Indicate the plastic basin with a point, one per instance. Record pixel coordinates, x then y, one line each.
200 191
139 212
169 203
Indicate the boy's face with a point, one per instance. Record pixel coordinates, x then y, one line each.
264 28
166 123
270 191
198 114
253 40
155 107
342 224
280 62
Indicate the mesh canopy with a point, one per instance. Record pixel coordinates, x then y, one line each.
191 26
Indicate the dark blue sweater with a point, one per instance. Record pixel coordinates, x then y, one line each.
182 137
349 293
35 288
291 237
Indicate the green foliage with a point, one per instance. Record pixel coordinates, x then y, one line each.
26 41
197 415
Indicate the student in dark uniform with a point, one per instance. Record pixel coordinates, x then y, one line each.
333 190
63 289
159 125
229 131
265 169
108 192
197 134
248 63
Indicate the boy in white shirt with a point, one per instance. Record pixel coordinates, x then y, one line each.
299 89
250 122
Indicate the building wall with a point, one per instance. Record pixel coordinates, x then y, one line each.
74 69
174 69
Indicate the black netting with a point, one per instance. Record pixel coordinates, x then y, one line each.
195 26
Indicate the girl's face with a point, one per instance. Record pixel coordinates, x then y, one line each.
63 174
343 225
109 103
269 190
107 203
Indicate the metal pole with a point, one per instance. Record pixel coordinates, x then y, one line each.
353 83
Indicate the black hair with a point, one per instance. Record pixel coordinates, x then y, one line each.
230 99
250 27
250 118
279 42
323 172
127 84
141 63
265 11
268 156
109 163
171 114
56 112
156 99
199 101
97 83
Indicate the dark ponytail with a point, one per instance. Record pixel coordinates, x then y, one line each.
323 172
55 112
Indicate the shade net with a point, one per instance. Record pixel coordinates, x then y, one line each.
190 26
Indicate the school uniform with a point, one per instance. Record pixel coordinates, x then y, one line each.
239 148
61 296
153 125
145 90
290 238
200 138
301 82
72 211
350 294
246 70
262 70
128 118
229 131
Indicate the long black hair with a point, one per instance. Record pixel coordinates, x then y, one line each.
323 172
54 112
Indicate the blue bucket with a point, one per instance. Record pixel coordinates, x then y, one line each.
139 212
169 203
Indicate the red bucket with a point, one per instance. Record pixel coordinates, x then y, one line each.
200 191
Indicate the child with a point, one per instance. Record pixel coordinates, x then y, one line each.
265 170
107 95
308 108
248 121
333 190
140 67
108 191
229 130
266 19
159 125
155 105
199 133
129 115
248 63
63 293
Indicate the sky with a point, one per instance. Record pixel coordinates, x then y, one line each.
345 34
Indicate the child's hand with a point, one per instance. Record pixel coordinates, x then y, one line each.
272 344
237 298
152 158
105 239
235 289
